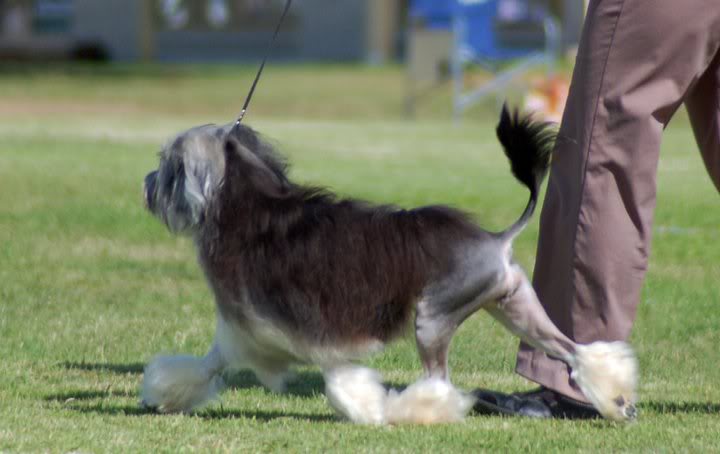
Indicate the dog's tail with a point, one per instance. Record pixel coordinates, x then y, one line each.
180 384
528 145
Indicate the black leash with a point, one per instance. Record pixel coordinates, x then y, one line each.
262 65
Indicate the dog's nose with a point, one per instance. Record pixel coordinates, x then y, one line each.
149 189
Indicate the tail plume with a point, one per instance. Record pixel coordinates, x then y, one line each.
528 145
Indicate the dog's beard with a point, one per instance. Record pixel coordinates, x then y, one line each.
190 173
170 206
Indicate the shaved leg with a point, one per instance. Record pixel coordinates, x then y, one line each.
522 314
475 280
605 372
433 336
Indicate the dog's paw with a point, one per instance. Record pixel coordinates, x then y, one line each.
626 409
428 401
356 393
178 384
607 373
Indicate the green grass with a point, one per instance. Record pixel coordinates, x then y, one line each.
91 286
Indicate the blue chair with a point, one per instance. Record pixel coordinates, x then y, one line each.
505 37
433 14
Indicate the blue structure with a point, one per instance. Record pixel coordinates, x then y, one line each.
491 33
435 14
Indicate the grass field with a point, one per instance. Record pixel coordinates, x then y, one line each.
91 286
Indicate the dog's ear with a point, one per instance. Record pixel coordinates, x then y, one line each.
253 169
204 169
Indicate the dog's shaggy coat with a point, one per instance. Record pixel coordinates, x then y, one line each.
301 276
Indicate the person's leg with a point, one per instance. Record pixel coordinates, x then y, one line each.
703 106
637 59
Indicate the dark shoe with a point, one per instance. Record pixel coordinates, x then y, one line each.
539 403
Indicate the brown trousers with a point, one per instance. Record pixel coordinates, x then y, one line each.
638 61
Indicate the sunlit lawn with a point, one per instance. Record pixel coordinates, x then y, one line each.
91 286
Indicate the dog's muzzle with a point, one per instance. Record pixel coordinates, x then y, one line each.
149 190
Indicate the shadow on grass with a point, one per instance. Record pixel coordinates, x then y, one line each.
307 384
209 414
303 384
70 396
79 401
264 416
131 368
671 408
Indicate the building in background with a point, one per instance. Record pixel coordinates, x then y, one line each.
199 30
213 30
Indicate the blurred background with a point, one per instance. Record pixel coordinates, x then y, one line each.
464 50
229 30
392 101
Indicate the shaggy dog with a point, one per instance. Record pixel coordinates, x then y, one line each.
301 276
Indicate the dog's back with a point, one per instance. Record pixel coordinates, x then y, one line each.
330 270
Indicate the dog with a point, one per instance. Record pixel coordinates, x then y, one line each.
301 276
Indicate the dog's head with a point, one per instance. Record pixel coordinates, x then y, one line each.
197 163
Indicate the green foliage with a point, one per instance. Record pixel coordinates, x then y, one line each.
91 286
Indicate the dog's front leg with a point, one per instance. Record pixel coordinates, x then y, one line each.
432 336
356 392
182 383
274 377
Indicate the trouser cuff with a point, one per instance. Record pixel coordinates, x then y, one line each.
548 372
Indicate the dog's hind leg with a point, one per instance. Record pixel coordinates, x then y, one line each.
606 372
523 315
